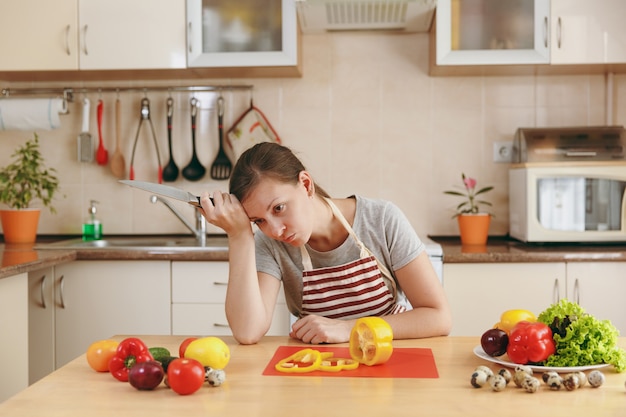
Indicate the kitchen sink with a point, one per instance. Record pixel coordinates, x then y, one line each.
152 244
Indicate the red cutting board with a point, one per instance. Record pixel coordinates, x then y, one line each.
404 363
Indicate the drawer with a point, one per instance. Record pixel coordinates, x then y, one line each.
210 320
202 282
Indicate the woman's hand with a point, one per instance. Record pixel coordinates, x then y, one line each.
225 212
317 329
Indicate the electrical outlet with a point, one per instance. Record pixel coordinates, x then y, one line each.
502 151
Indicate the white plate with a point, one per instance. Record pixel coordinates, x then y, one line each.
478 351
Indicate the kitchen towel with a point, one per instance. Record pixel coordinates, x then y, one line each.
30 114
251 128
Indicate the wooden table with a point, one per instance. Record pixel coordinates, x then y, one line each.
76 390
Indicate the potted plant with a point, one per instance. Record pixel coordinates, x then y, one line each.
473 224
24 180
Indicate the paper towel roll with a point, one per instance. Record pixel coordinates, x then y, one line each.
30 114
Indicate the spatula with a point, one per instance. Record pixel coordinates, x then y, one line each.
118 164
220 170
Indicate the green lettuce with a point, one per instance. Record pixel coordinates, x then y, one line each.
580 338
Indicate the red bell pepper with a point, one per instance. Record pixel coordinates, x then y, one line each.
530 343
129 352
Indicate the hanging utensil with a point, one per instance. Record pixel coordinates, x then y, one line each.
194 170
220 170
118 164
145 117
170 172
85 141
102 155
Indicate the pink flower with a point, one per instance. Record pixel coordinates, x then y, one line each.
470 183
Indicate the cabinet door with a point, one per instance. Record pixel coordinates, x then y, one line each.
137 34
40 324
584 32
246 33
99 299
198 296
599 287
14 331
38 35
478 293
492 32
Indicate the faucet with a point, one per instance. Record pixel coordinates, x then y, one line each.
199 231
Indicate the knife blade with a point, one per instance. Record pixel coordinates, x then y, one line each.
166 191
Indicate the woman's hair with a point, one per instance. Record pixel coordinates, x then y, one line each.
266 160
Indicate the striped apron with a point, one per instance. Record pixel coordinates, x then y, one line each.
360 288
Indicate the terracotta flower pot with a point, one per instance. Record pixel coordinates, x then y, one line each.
474 228
20 226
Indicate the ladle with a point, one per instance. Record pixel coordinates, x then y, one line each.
194 170
170 172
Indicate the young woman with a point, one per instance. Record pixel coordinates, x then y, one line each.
338 259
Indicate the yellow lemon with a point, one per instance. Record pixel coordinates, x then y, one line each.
209 351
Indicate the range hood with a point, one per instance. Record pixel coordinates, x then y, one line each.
407 15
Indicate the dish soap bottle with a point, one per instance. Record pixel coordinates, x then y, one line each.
92 228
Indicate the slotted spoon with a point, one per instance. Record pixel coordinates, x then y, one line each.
221 167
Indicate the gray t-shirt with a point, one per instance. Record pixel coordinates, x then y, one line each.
379 224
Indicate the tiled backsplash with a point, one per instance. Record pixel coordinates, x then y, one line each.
365 118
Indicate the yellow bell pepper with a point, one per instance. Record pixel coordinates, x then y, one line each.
370 341
305 360
510 318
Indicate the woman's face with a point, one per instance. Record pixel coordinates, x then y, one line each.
282 211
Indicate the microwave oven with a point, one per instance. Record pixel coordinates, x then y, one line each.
575 202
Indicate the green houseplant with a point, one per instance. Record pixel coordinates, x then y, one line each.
473 224
23 181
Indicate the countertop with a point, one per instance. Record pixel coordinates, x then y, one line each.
503 249
15 259
77 390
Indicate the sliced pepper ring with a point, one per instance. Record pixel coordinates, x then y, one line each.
333 364
305 360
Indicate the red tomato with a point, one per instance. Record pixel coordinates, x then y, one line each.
100 353
183 346
185 376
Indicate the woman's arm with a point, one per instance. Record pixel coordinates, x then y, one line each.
250 298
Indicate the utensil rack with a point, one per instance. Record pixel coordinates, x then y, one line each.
68 93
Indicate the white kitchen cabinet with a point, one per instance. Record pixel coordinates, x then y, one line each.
584 32
98 299
492 32
479 292
14 330
247 33
92 35
599 287
198 297
38 35
41 325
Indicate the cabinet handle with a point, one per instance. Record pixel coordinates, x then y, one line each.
576 293
189 38
42 288
220 325
220 283
556 294
67 40
61 287
558 32
545 31
85 40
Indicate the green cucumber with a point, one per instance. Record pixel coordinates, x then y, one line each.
159 352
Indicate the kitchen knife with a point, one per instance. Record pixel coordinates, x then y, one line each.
166 191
